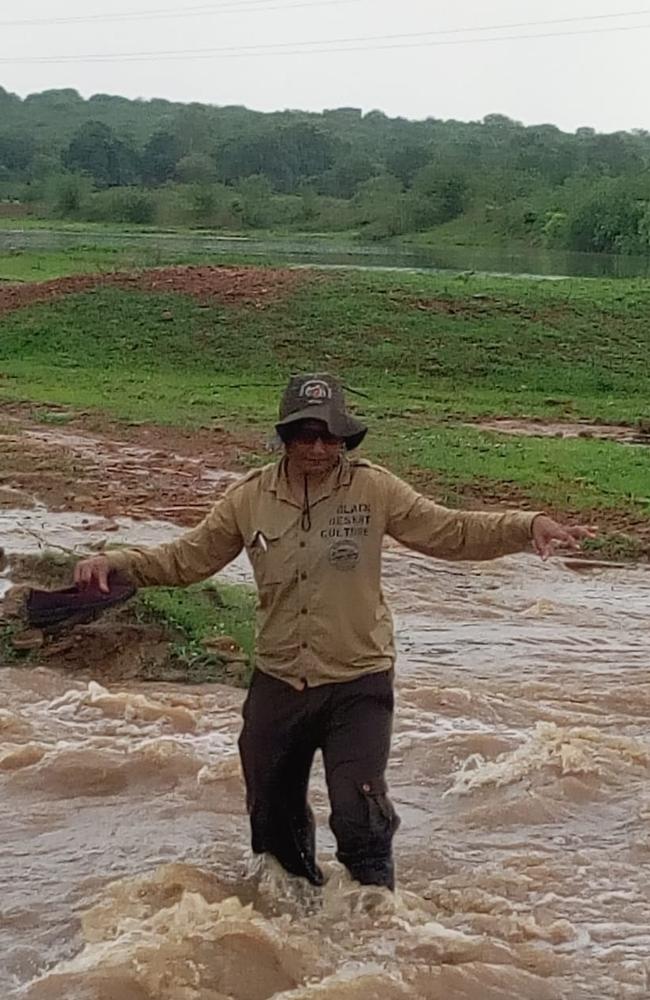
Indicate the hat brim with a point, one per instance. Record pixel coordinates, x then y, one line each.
75 605
341 425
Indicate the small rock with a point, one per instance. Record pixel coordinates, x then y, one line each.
167 315
12 605
220 642
236 672
225 648
31 638
106 524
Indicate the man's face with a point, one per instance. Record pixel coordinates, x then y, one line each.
311 449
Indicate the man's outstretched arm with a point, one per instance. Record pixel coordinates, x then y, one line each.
194 556
426 526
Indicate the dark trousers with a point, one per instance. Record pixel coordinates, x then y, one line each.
351 723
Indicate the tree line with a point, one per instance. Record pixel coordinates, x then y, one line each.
159 162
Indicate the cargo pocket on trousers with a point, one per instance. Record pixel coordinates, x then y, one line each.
383 821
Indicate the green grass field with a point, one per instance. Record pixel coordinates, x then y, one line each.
428 352
29 266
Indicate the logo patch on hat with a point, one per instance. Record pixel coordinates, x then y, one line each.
315 391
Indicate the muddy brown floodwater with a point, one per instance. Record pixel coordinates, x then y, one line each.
520 769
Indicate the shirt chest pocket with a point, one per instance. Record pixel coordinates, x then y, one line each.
269 552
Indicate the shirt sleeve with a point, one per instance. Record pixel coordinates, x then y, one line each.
194 556
427 527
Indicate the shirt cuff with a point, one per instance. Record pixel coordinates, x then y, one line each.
527 520
119 559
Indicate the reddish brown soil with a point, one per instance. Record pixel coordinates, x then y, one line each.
255 287
142 471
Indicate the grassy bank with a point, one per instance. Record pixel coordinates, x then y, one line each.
208 628
198 616
429 352
33 266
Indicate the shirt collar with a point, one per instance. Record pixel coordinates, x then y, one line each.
279 482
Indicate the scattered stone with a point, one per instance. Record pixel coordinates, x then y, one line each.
226 648
31 638
81 500
106 524
13 604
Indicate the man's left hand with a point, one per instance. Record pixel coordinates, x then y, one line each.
548 535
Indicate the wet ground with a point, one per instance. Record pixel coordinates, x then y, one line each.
520 769
141 471
622 433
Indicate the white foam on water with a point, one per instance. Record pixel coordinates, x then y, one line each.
583 751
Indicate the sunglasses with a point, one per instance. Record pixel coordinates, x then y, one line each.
310 435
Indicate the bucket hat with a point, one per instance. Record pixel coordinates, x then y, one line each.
319 396
75 605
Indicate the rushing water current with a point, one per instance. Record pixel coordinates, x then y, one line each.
520 769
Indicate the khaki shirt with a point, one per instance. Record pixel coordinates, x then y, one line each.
321 613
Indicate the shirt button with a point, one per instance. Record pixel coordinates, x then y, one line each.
303 611
303 576
304 645
302 545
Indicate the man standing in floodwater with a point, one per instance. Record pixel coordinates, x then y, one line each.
312 524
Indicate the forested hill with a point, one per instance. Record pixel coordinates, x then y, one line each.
157 161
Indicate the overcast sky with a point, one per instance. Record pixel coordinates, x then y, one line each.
587 73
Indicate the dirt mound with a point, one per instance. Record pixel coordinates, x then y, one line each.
248 286
124 643
113 651
119 647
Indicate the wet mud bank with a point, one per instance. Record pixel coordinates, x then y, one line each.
132 641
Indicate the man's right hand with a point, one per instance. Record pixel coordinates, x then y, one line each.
93 570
